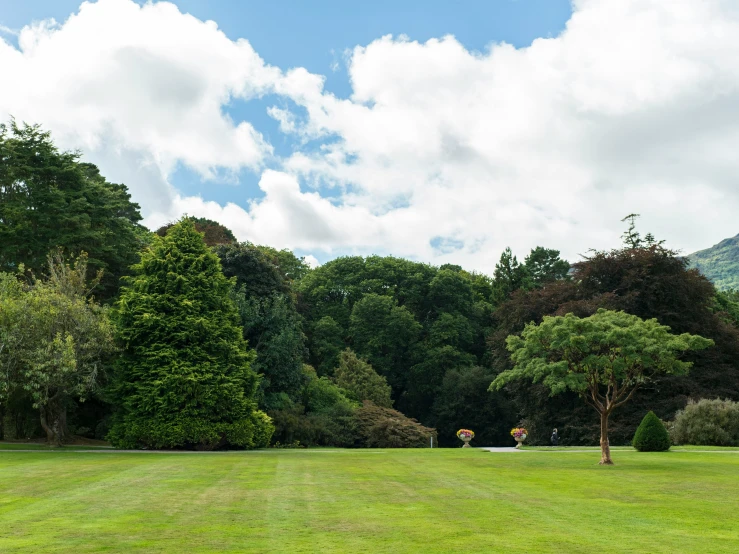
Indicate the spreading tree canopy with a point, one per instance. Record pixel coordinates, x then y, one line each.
49 199
184 379
604 358
54 341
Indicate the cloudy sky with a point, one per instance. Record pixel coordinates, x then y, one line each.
439 130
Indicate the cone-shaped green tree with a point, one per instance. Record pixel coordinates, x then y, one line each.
184 379
651 435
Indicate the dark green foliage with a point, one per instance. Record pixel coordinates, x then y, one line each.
720 263
386 428
213 232
462 398
266 303
323 417
509 276
254 430
361 381
544 265
54 342
326 344
651 435
274 327
292 268
334 288
385 334
450 292
50 200
541 266
335 427
426 378
412 322
184 379
707 422
321 395
256 272
650 282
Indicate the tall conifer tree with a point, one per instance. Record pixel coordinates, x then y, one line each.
184 379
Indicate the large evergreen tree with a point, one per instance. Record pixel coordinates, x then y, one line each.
184 379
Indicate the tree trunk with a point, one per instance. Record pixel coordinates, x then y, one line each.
63 428
605 446
50 423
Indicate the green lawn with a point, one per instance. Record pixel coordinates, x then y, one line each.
38 446
371 501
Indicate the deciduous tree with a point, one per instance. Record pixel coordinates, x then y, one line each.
604 358
49 199
54 340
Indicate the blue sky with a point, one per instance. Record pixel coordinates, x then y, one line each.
316 34
445 150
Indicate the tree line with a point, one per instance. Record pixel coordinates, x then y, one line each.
186 337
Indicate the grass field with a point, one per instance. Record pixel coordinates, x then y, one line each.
371 501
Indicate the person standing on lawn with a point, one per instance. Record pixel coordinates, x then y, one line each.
555 437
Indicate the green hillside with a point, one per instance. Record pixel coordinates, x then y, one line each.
720 263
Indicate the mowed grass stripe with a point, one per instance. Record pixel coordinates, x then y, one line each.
350 501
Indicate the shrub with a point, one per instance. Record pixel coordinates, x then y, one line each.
707 422
333 427
651 435
386 428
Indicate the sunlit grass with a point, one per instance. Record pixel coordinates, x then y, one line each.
441 500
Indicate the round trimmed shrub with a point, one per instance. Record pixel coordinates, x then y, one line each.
707 422
651 435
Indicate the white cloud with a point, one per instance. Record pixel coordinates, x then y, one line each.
8 30
632 108
312 261
285 217
440 153
119 77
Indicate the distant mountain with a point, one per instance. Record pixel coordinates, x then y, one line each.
720 263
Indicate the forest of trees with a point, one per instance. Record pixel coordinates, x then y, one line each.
186 337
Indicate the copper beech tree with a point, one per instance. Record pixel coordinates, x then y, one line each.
605 358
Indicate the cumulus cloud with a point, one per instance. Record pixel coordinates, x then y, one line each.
148 80
286 217
631 108
440 153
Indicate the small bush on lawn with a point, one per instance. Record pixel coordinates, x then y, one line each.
651 435
387 428
708 423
